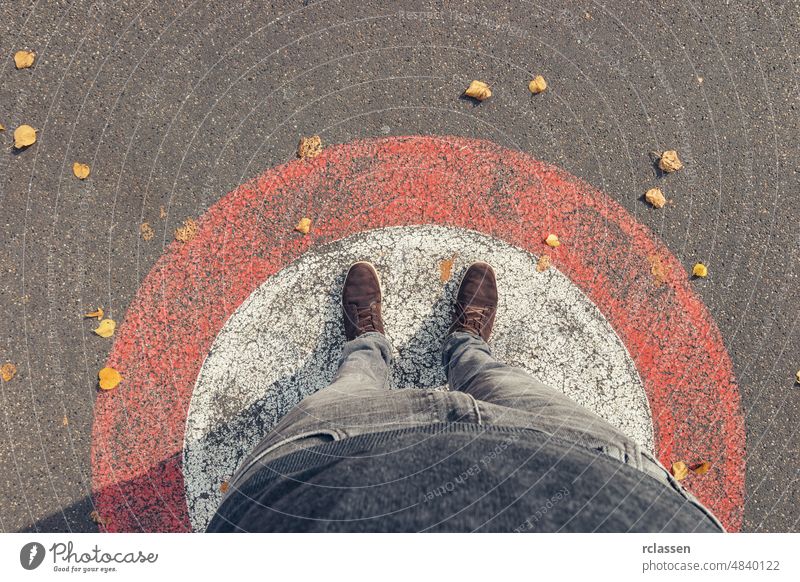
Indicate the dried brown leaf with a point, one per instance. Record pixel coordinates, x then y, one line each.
552 241
478 90
304 226
446 268
186 232
669 161
147 231
24 136
24 59
309 147
8 371
657 270
700 468
98 313
543 263
679 470
98 519
537 85
655 197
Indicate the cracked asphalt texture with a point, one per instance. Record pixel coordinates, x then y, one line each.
173 104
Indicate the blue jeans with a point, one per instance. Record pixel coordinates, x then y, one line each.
483 391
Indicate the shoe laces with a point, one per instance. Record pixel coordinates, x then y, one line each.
365 318
472 317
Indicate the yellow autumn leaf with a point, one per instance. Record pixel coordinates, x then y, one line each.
2 127
309 147
146 231
680 470
655 197
552 241
81 171
8 371
700 270
304 226
537 85
478 90
670 162
700 468
186 232
109 378
446 268
106 328
797 377
543 263
98 313
24 136
24 59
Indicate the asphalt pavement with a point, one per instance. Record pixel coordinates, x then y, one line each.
174 104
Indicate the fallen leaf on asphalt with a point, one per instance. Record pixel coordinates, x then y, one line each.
700 468
304 226
186 232
309 147
65 420
537 85
669 161
679 470
478 90
81 171
98 519
2 127
700 270
657 270
543 263
24 136
655 197
552 241
98 313
162 214
24 59
224 486
106 328
446 268
109 378
146 231
8 371
797 376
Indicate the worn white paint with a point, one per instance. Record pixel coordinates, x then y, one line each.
283 342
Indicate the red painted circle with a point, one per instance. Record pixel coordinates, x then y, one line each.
248 236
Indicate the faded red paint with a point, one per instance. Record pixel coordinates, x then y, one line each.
248 236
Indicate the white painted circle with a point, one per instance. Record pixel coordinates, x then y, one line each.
283 342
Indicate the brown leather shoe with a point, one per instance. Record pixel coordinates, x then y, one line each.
361 301
476 302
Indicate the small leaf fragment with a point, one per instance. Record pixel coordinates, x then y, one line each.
543 263
552 241
98 519
304 226
24 59
2 127
8 371
109 378
24 136
797 377
670 162
162 214
446 268
700 270
224 486
146 231
537 85
98 313
679 470
106 328
186 232
655 197
309 147
478 90
657 270
65 421
81 171
700 468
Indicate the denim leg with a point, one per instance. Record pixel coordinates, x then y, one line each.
364 364
471 368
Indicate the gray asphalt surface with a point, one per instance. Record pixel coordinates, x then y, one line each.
174 104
